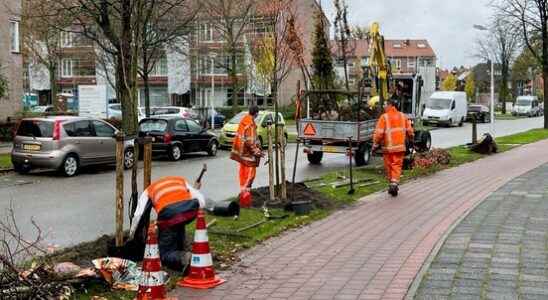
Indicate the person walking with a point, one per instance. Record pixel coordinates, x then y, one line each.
176 203
247 152
391 132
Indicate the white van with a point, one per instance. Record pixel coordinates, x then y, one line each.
446 108
526 106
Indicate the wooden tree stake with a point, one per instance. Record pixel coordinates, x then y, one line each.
281 147
119 190
270 165
147 162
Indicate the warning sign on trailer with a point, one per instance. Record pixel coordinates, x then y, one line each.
309 130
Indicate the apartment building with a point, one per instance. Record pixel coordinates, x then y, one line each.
211 84
10 57
199 79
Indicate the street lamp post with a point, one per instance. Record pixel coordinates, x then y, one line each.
492 118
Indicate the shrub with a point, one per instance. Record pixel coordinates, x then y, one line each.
434 157
7 131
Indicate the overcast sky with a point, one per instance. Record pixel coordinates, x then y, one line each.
447 25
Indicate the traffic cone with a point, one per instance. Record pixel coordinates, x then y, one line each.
152 285
201 274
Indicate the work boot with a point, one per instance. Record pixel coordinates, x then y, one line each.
393 189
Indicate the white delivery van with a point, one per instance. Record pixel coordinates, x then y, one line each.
526 106
445 108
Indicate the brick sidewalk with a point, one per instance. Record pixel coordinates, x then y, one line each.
500 250
374 249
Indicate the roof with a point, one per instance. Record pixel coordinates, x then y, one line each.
397 48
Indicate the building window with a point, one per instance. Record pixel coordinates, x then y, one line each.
365 61
397 63
160 68
206 33
66 39
14 36
411 63
66 67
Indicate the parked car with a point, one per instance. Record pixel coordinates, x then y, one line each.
446 108
66 143
114 111
218 118
482 113
526 106
175 111
175 136
263 118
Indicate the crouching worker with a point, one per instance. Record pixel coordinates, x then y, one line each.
393 128
176 203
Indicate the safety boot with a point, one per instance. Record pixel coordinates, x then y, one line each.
393 189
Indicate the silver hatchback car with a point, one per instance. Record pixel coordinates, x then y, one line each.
66 143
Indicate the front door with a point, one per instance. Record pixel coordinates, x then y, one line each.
82 138
199 136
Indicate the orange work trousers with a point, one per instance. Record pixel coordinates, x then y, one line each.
247 176
393 164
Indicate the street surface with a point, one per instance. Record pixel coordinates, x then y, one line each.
73 210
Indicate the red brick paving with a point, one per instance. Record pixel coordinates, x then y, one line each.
374 249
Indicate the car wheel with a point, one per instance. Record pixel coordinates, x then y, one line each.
461 122
21 168
129 158
70 165
363 155
449 123
212 149
175 152
315 157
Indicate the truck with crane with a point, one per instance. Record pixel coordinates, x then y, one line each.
339 121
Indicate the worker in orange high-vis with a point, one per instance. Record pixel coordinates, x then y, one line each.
176 203
391 133
247 152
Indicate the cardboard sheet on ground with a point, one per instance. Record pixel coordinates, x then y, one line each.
120 273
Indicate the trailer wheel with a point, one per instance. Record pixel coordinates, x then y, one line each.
315 157
423 141
363 155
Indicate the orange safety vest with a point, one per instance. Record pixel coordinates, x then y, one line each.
391 131
172 201
244 147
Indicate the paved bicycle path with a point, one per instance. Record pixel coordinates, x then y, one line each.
500 250
374 249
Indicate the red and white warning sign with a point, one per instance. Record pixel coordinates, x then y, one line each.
309 129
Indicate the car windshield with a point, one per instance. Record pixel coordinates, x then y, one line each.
35 128
435 103
237 118
523 102
153 125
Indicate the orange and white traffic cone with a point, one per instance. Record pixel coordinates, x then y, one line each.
152 285
201 274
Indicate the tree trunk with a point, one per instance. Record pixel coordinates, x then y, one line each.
234 81
276 129
53 87
504 87
146 83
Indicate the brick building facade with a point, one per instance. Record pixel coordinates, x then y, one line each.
11 61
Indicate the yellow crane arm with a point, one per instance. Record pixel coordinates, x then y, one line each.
378 61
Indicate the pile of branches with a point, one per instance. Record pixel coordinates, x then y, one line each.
431 158
17 279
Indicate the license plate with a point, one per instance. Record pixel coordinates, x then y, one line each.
329 149
31 147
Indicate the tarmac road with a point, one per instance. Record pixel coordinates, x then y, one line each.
73 210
